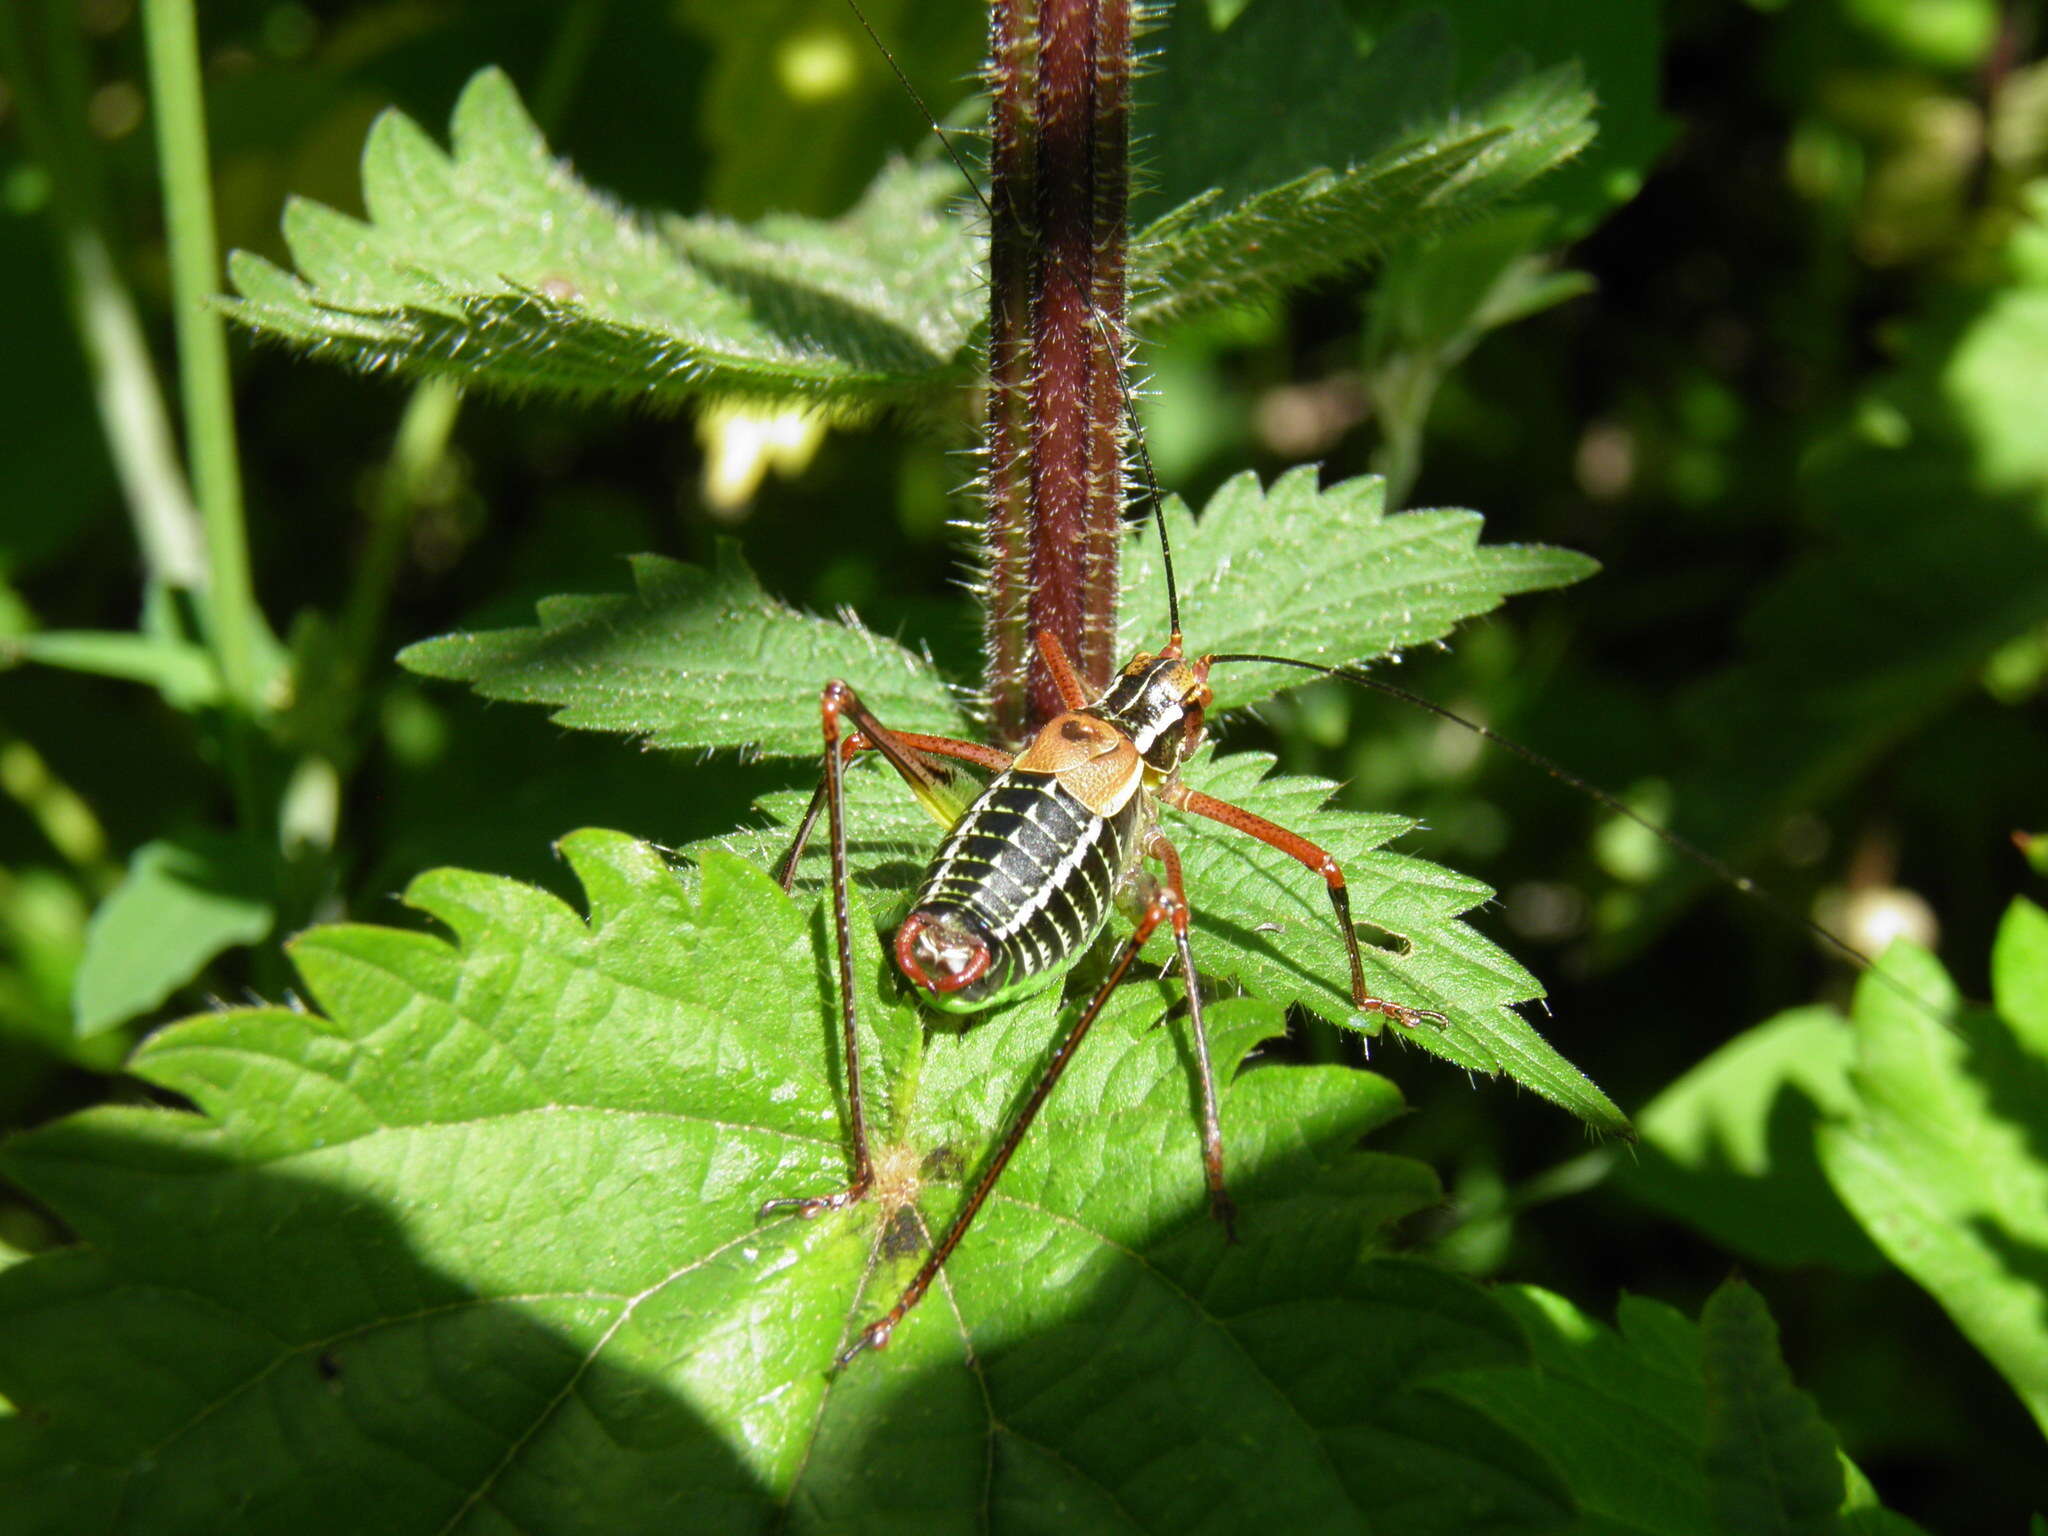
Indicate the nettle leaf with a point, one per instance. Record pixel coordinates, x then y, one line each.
1376 145
709 660
692 658
1771 1462
1263 921
1621 1408
1729 1146
1322 574
492 264
1940 1156
1267 924
1666 1427
478 1244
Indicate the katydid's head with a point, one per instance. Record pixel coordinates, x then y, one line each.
1158 700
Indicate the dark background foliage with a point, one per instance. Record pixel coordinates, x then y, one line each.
1816 651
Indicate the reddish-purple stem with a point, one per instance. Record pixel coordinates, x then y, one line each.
1059 165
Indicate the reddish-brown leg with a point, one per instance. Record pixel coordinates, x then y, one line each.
1072 693
1295 846
905 752
876 1335
1220 1204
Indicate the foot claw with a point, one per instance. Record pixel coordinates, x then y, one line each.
1401 1013
809 1208
874 1336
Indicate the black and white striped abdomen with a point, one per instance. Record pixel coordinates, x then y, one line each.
1034 869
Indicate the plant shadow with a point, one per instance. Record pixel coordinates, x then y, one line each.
312 1368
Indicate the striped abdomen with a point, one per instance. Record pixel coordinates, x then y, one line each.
1034 871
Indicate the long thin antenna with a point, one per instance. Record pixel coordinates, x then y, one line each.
1095 317
1718 866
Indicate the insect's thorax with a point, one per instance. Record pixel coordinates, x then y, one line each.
1157 701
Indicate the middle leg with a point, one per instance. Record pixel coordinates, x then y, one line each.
1221 1206
1319 859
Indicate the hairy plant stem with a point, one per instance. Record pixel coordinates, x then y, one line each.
1059 165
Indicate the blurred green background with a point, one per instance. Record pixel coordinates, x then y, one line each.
1794 406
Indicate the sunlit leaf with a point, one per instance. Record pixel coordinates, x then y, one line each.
697 659
478 1244
692 658
491 264
1666 1427
1940 1157
183 901
1323 574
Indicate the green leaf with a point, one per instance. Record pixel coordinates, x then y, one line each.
1375 146
492 265
1941 1156
1657 1424
1263 921
1771 1463
478 1244
1324 575
1729 1147
710 661
2019 977
1617 44
1621 1411
692 658
1267 924
183 901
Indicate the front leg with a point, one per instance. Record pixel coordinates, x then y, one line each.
836 701
912 756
